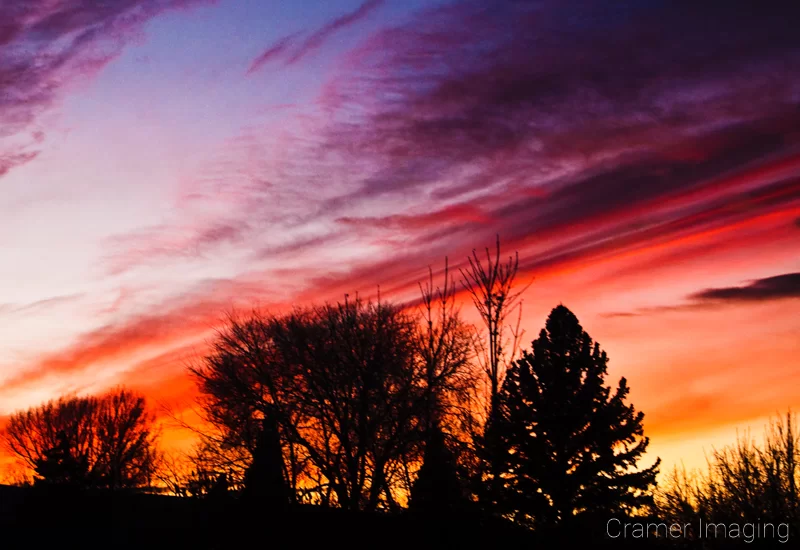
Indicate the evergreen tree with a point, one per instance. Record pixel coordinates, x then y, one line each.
438 486
220 488
59 465
568 445
264 480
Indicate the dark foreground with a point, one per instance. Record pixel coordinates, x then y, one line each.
34 518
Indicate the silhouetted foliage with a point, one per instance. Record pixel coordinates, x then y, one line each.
438 487
343 385
745 483
567 444
62 465
264 483
220 488
125 520
201 483
107 441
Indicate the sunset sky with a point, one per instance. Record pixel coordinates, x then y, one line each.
165 161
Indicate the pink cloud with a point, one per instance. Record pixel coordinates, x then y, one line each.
9 161
580 161
191 316
155 244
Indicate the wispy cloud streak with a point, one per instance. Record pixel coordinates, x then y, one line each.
600 142
45 46
294 50
770 288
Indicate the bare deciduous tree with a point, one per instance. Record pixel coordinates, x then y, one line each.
492 289
444 347
173 473
109 441
342 383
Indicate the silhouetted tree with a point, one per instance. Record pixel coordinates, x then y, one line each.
62 465
567 443
343 385
444 348
438 488
240 378
220 488
444 351
492 289
201 483
173 473
265 482
125 441
112 435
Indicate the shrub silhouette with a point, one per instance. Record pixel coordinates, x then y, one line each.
744 483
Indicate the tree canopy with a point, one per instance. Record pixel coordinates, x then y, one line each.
107 441
340 381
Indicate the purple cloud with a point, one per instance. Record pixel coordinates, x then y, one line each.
297 51
274 51
45 46
562 126
769 288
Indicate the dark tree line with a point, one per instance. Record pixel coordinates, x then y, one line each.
374 406
368 406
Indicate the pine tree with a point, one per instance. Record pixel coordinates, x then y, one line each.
59 465
264 482
438 486
219 490
568 445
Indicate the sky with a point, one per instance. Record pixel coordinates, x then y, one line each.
163 162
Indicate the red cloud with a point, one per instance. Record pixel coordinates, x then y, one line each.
456 214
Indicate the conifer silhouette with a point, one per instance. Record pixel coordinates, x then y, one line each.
59 465
264 482
438 487
220 488
567 443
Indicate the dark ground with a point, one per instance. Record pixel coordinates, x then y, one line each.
34 518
